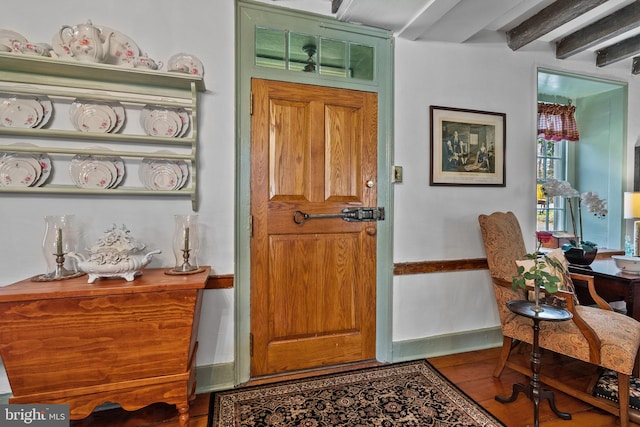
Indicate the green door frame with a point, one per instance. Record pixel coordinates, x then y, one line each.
248 16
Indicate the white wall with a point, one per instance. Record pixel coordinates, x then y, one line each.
431 223
434 223
161 28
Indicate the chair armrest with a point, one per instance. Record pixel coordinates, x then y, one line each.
577 277
584 328
502 282
589 334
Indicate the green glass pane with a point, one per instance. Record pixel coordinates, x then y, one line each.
303 52
361 61
333 58
540 168
271 48
284 50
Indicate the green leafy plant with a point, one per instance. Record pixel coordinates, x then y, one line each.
542 273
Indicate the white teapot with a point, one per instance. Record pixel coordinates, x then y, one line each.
85 42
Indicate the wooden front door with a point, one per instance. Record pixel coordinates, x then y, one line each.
313 285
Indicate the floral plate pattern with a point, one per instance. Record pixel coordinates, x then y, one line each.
24 111
24 169
96 172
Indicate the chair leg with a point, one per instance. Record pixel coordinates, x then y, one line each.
504 355
623 399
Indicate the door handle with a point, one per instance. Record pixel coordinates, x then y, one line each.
347 214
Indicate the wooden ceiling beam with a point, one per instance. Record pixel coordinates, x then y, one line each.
610 26
551 17
618 51
335 5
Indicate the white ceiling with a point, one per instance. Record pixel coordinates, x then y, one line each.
461 21
469 21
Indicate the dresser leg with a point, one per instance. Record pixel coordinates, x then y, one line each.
183 418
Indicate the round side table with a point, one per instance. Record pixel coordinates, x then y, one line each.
534 390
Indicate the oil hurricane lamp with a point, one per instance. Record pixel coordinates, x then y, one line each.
186 244
59 240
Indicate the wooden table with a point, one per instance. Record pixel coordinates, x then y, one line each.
81 344
611 284
534 389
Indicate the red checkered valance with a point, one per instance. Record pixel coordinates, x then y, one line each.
557 122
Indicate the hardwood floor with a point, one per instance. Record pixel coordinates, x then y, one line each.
472 372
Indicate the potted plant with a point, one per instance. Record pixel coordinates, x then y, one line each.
542 270
578 251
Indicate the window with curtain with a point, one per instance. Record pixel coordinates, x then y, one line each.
556 126
557 122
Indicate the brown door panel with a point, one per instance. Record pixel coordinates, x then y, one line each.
313 149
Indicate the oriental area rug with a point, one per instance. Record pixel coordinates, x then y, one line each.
401 394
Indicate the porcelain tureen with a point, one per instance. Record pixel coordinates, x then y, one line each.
116 254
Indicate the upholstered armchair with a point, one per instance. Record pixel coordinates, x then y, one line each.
596 335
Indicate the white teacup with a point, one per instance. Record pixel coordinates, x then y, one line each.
34 49
185 63
146 62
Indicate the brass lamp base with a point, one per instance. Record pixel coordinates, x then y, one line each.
178 271
50 277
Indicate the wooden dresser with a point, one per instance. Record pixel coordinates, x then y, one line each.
131 343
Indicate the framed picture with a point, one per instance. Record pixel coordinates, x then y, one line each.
467 147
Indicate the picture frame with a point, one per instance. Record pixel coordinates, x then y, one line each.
467 147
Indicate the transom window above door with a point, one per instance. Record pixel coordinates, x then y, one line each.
286 50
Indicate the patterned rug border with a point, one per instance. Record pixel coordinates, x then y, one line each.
451 390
